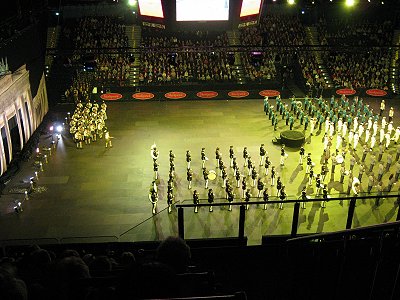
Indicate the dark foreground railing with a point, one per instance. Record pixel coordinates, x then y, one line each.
296 210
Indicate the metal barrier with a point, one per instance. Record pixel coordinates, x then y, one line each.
296 211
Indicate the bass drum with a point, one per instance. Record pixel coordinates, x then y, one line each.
212 175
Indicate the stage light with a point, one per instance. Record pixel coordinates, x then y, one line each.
290 2
132 2
349 3
59 128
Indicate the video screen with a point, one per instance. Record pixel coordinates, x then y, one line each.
202 10
151 8
250 7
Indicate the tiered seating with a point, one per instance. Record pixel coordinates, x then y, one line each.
273 30
100 36
168 58
357 67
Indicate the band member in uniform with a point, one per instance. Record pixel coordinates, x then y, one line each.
372 163
188 158
237 177
361 172
107 138
324 171
203 157
221 167
153 198
265 197
189 176
381 170
217 156
370 183
342 172
389 161
391 114
231 196
249 165
278 186
267 164
382 108
244 186
172 168
310 176
304 197
273 174
381 150
283 155
155 169
224 176
254 176
247 198
318 184
170 198
302 151
196 200
231 155
235 167
171 156
262 154
228 189
205 175
325 196
260 187
245 156
309 163
282 197
210 198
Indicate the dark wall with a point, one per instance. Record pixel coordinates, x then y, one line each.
27 47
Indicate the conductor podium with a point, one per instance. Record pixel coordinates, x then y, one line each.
292 138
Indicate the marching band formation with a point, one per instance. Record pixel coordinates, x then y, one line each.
88 123
356 128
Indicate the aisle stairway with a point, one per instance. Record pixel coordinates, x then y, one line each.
58 77
51 43
234 40
312 39
134 34
394 64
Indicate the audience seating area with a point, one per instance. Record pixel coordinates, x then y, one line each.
169 58
351 63
103 39
357 263
200 57
273 31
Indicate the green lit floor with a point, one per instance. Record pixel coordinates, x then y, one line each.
103 192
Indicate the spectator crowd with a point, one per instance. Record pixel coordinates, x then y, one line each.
357 61
184 57
92 34
53 273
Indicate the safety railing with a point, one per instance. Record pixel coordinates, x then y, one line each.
296 210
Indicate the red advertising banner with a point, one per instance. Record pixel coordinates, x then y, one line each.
207 94
376 92
111 96
143 96
269 93
238 94
175 95
346 92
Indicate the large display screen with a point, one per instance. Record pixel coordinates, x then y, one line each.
151 8
250 7
202 10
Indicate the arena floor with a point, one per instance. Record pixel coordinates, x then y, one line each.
98 194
